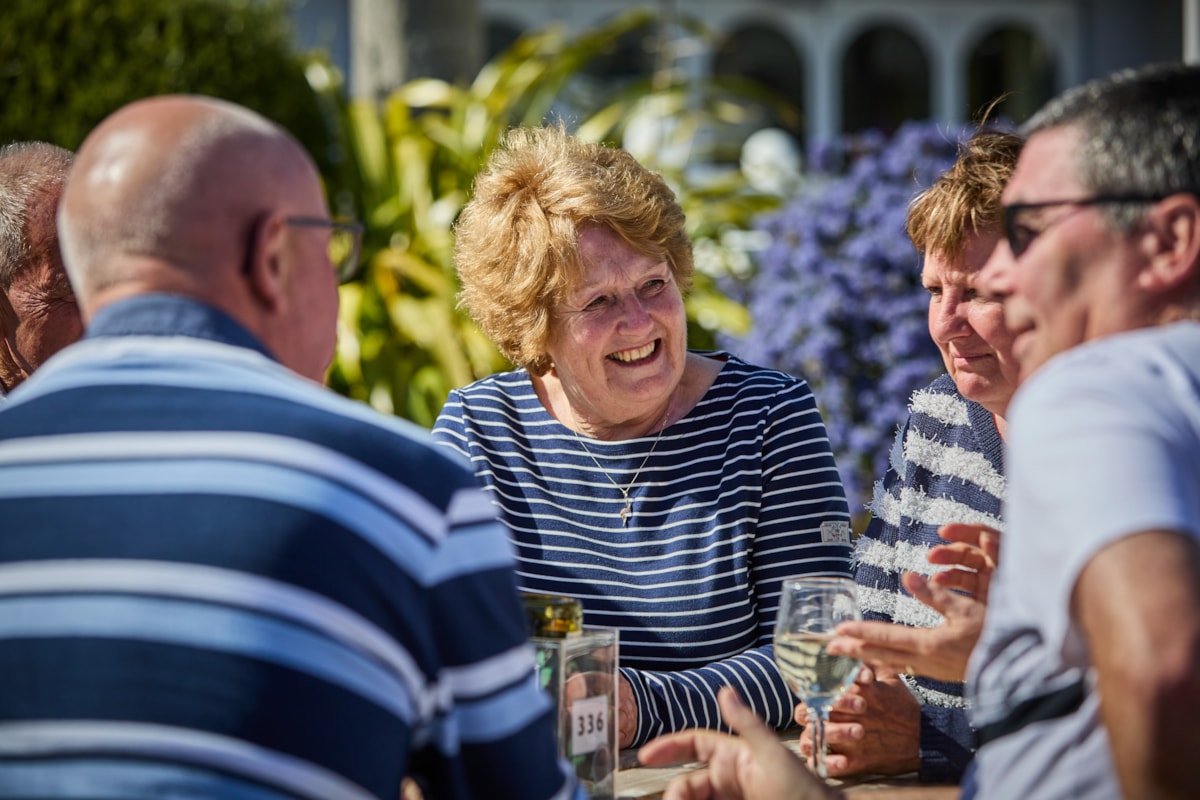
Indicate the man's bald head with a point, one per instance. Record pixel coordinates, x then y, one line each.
198 197
178 181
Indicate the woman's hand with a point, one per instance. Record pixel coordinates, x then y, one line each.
752 766
874 727
589 684
627 714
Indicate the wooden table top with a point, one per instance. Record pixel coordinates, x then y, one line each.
648 783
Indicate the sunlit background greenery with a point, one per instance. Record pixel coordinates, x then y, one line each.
408 171
404 166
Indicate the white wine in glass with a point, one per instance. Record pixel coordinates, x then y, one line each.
809 610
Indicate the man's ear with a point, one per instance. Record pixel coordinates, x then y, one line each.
1170 240
266 266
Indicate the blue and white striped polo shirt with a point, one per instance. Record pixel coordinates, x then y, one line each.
220 580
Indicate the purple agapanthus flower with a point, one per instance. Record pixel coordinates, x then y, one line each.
837 298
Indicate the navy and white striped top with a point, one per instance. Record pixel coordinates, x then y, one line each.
947 465
220 580
739 494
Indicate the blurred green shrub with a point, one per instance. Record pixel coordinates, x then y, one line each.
408 169
66 64
404 167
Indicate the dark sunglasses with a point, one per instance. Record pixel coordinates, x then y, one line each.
1020 236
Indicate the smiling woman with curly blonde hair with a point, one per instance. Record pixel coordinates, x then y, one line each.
670 490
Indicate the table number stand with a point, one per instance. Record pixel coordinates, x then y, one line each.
579 671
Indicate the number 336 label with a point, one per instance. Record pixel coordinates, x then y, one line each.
589 725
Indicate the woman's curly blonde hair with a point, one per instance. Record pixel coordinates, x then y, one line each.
966 198
516 246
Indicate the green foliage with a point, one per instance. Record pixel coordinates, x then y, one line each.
408 171
405 168
66 64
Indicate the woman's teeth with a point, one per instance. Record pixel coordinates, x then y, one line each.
634 355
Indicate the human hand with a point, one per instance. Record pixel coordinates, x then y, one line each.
941 652
589 684
752 766
974 553
627 713
874 727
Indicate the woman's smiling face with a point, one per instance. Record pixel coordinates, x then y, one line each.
618 341
968 325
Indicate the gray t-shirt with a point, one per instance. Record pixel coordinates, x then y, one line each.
1102 445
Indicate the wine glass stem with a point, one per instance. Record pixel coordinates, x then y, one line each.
819 719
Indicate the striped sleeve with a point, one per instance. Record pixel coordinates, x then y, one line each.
492 734
801 492
946 466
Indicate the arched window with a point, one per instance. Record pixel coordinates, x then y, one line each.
766 58
1010 60
885 81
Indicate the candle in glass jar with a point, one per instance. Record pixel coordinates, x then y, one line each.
552 616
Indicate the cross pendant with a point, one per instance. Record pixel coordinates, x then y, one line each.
626 513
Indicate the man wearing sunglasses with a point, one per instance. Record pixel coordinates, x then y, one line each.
1086 682
217 578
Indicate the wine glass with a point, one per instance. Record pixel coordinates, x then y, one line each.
809 610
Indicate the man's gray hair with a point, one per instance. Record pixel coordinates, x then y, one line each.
1140 133
28 171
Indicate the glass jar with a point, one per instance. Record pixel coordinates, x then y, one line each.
552 616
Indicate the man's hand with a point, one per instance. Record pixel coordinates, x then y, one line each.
940 652
752 766
874 727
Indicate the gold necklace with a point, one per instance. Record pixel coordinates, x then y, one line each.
627 511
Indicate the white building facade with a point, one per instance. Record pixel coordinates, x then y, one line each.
850 64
